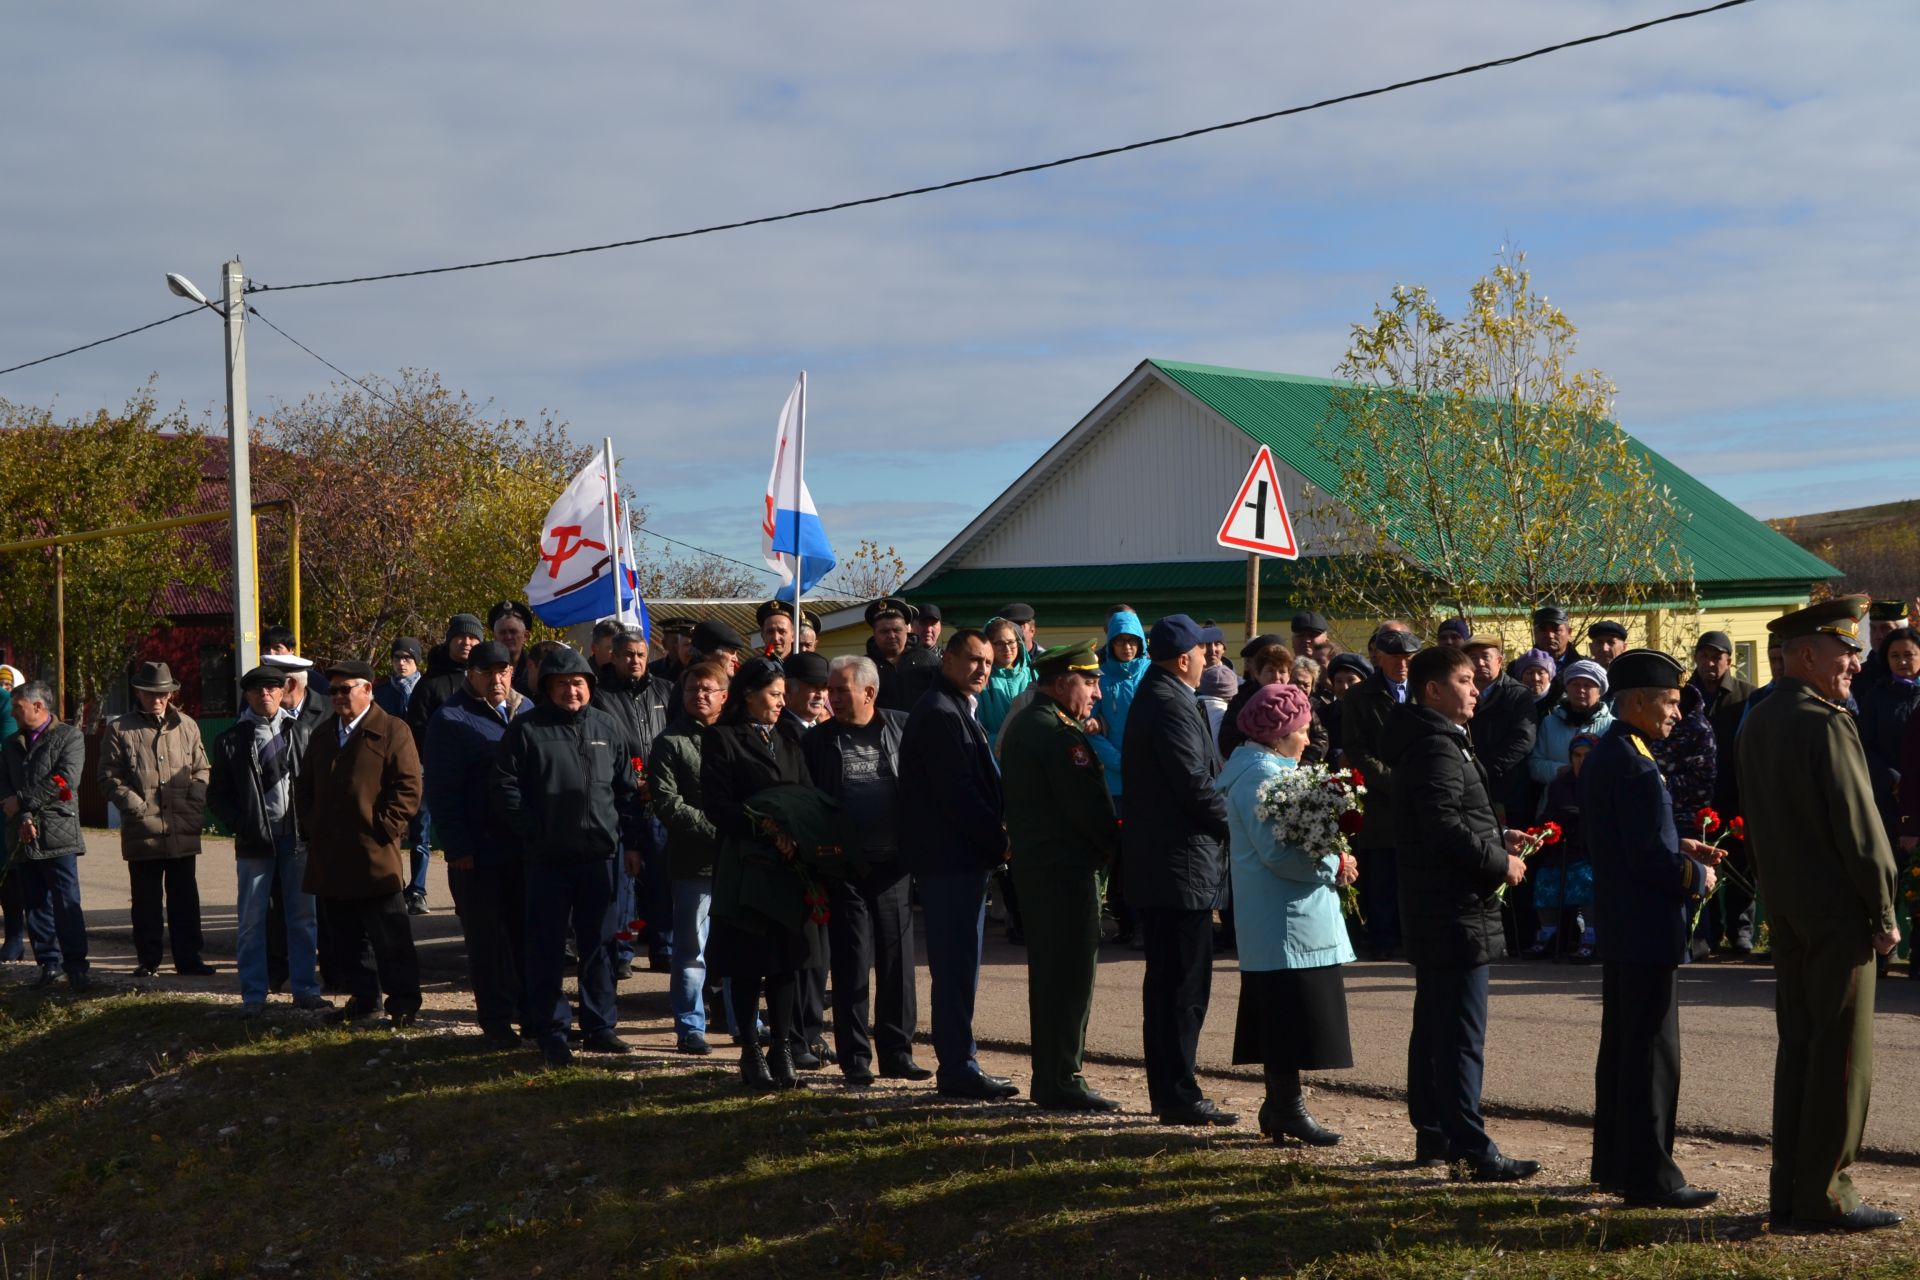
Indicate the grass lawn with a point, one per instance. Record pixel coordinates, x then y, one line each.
151 1135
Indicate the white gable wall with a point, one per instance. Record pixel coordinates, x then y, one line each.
1151 485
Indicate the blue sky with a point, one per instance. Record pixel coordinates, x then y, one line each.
1724 206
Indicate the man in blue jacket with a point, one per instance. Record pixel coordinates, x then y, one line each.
1174 845
951 800
1646 880
483 863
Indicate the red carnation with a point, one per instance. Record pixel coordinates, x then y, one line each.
1550 833
1356 777
1352 822
1738 828
636 925
640 766
1709 821
60 784
624 935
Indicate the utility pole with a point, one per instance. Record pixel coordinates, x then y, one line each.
246 612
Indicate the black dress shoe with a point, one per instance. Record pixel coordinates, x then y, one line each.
194 969
979 1088
1088 1101
147 971
694 1043
499 1038
804 1059
49 974
354 1011
555 1053
1688 1197
904 1069
1860 1218
1430 1157
605 1042
819 1049
80 981
1202 1112
858 1074
1504 1169
753 1069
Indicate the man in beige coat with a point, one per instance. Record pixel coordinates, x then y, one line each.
154 770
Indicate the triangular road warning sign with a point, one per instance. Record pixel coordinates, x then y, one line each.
1258 521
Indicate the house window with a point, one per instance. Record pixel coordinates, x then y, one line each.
216 680
1743 660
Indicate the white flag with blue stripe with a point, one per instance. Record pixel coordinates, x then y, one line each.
790 528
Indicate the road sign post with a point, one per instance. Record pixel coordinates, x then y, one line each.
1257 523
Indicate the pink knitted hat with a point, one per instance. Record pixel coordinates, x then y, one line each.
1276 711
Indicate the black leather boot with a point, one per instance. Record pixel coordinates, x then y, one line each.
780 1064
1290 1120
753 1070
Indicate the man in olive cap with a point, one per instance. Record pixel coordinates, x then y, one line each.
1829 880
1061 824
1647 879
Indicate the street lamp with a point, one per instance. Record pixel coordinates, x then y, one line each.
246 610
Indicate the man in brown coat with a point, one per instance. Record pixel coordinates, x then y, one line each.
357 791
154 770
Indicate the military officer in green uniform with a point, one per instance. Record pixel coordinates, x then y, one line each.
1828 879
1061 826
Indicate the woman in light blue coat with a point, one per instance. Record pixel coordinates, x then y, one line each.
1293 938
1582 709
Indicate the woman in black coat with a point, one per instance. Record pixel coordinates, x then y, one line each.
750 750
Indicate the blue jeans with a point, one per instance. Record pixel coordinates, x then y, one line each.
692 902
955 905
422 846
624 907
255 877
55 922
563 896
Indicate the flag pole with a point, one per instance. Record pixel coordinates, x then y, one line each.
613 537
799 479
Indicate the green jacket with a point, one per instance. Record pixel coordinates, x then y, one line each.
1059 813
673 776
1810 817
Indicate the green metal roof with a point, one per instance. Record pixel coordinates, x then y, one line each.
1286 413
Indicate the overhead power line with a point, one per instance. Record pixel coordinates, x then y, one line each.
454 439
1040 167
939 186
99 342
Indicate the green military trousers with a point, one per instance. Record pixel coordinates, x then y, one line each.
1823 1072
1060 912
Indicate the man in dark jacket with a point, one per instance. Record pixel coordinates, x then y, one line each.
1454 857
674 794
393 696
1729 913
1364 712
483 862
855 758
1646 878
563 782
39 786
643 704
1174 845
1503 724
254 764
355 796
907 671
951 798
446 671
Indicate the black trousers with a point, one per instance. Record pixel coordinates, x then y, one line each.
173 879
1637 1080
492 905
870 935
14 907
1379 887
352 925
330 979
1179 983
1446 1058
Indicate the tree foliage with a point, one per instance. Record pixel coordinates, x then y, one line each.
871 571
98 472
1482 474
408 515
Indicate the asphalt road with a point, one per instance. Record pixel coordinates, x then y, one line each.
1543 1028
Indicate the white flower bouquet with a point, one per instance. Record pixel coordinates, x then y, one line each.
1316 810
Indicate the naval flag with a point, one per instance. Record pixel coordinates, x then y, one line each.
790 529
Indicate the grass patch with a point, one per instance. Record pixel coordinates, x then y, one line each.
150 1135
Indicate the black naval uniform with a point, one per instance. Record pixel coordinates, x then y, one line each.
1644 891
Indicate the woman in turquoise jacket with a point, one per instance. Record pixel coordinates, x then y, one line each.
1123 661
1293 938
1012 673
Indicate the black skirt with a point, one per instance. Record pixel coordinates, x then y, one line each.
1293 1018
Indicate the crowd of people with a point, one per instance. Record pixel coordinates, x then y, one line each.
761 822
